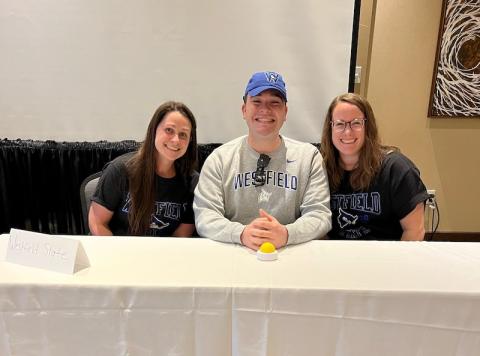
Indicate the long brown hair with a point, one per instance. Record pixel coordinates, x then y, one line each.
141 168
371 153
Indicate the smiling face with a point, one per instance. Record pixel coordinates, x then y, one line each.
172 137
265 114
348 142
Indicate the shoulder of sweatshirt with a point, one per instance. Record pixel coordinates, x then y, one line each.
227 149
299 146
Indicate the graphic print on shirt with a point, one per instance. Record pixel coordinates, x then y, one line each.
162 210
157 223
369 203
264 196
345 219
278 179
353 210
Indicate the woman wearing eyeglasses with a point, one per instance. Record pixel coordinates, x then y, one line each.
376 192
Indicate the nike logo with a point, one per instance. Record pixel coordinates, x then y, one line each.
290 160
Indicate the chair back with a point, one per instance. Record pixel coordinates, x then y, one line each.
87 189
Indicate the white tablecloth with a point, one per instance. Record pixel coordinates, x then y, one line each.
146 296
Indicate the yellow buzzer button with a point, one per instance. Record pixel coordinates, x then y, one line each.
267 247
267 252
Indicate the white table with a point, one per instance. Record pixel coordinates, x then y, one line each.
145 296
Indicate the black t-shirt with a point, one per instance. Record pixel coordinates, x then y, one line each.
173 200
375 214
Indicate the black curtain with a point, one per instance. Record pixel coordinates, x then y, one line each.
40 182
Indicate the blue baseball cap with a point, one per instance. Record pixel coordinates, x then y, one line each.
261 81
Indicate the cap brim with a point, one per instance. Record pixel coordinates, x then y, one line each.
258 90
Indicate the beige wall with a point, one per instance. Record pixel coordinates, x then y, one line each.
401 60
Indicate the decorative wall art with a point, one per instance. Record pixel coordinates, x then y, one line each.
456 78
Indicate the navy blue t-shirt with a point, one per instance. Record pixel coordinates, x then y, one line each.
173 199
375 213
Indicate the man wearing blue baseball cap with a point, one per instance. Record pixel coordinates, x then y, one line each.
263 187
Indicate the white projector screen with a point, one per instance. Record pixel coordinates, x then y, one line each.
96 70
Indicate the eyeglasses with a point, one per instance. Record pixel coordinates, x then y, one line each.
262 163
355 125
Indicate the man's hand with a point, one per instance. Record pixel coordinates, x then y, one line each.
264 229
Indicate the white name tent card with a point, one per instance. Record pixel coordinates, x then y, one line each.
54 253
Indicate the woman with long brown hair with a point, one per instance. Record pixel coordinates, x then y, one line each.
150 192
376 192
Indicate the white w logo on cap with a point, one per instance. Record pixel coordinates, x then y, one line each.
272 77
